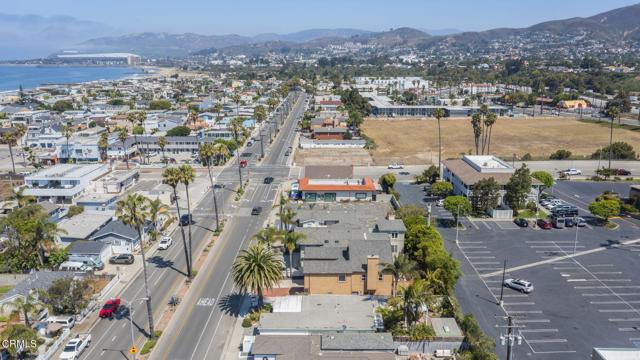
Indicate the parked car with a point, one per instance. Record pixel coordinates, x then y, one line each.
395 166
521 222
256 210
568 222
249 143
404 173
75 347
440 202
623 172
185 219
571 171
558 222
109 308
581 222
544 224
165 243
268 180
122 259
519 284
64 320
287 153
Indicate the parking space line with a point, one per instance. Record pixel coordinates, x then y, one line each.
607 272
515 295
548 242
472 247
613 294
487 269
544 341
519 303
486 263
537 330
485 224
470 242
617 311
567 268
478 252
624 319
481 257
525 312
615 302
527 321
600 265
630 329
473 223
605 287
555 246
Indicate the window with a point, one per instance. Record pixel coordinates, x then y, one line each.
342 278
394 235
363 277
361 196
394 248
310 197
380 277
330 197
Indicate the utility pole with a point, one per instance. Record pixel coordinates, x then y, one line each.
611 141
510 339
239 167
504 270
261 145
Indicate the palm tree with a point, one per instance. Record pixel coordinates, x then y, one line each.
136 118
26 306
217 108
268 236
162 142
187 175
282 203
476 123
20 130
171 177
291 240
207 153
221 152
133 211
286 218
236 99
413 297
256 269
612 113
103 144
489 120
67 132
402 268
9 138
237 128
434 281
23 200
260 113
156 208
439 113
123 135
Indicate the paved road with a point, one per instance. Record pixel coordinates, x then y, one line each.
588 167
112 338
207 316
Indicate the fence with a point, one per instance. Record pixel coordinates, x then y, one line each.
54 346
429 346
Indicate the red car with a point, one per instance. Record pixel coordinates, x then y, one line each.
544 224
109 308
243 163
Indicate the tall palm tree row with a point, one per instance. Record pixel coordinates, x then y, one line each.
134 211
438 114
268 236
286 218
171 177
256 269
207 153
103 144
162 143
187 175
123 135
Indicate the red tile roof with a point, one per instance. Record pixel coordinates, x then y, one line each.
331 102
366 185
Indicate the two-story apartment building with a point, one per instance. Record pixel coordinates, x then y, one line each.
330 190
64 182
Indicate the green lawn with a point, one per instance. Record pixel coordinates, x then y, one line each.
528 214
5 289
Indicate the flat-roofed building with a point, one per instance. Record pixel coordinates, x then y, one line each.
64 182
330 190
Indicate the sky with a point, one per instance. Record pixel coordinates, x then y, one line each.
250 17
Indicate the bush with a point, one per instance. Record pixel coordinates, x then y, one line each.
179 131
75 210
560 155
160 105
619 150
247 323
527 157
531 206
149 344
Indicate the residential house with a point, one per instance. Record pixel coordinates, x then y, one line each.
120 238
89 252
81 227
98 203
62 183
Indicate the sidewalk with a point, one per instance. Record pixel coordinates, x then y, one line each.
234 340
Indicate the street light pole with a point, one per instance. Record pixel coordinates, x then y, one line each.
239 167
133 342
575 242
504 270
457 227
261 145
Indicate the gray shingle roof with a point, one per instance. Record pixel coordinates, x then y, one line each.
395 225
37 280
324 260
86 247
117 227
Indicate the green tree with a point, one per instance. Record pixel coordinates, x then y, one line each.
25 306
485 195
160 105
458 206
429 175
15 335
62 106
544 177
67 296
476 124
9 138
413 298
619 150
518 188
156 208
187 176
268 236
387 181
355 119
290 241
402 268
286 218
123 135
103 145
162 143
560 154
260 113
171 176
489 120
179 131
237 128
442 188
256 269
75 210
438 114
133 211
67 132
605 209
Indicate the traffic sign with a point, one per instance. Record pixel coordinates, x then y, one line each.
133 350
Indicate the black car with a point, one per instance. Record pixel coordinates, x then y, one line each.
568 222
122 259
256 210
185 219
268 180
521 222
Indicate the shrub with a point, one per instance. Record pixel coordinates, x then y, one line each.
442 188
247 323
560 155
619 150
75 210
527 157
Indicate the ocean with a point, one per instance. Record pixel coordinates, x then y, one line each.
11 77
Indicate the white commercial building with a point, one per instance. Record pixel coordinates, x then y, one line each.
62 183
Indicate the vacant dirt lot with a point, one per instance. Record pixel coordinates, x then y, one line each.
355 157
413 141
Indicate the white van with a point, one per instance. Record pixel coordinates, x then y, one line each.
66 321
73 266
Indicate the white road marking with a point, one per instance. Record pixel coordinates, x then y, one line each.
613 294
545 341
519 303
537 330
617 311
614 302
526 321
114 338
624 319
605 287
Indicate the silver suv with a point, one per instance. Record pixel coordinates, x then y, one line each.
519 284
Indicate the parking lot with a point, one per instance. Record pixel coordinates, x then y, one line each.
587 293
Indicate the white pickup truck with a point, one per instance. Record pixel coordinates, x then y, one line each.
75 347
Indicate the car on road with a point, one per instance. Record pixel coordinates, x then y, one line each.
256 210
268 180
243 163
544 224
186 219
122 259
287 153
75 347
395 166
250 143
581 222
109 308
165 243
404 173
521 222
568 222
571 171
440 202
623 172
518 284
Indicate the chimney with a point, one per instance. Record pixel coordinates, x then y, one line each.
391 215
373 261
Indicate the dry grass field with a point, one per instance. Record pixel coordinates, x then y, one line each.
356 157
414 141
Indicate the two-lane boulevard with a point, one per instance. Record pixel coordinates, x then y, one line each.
112 338
202 324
